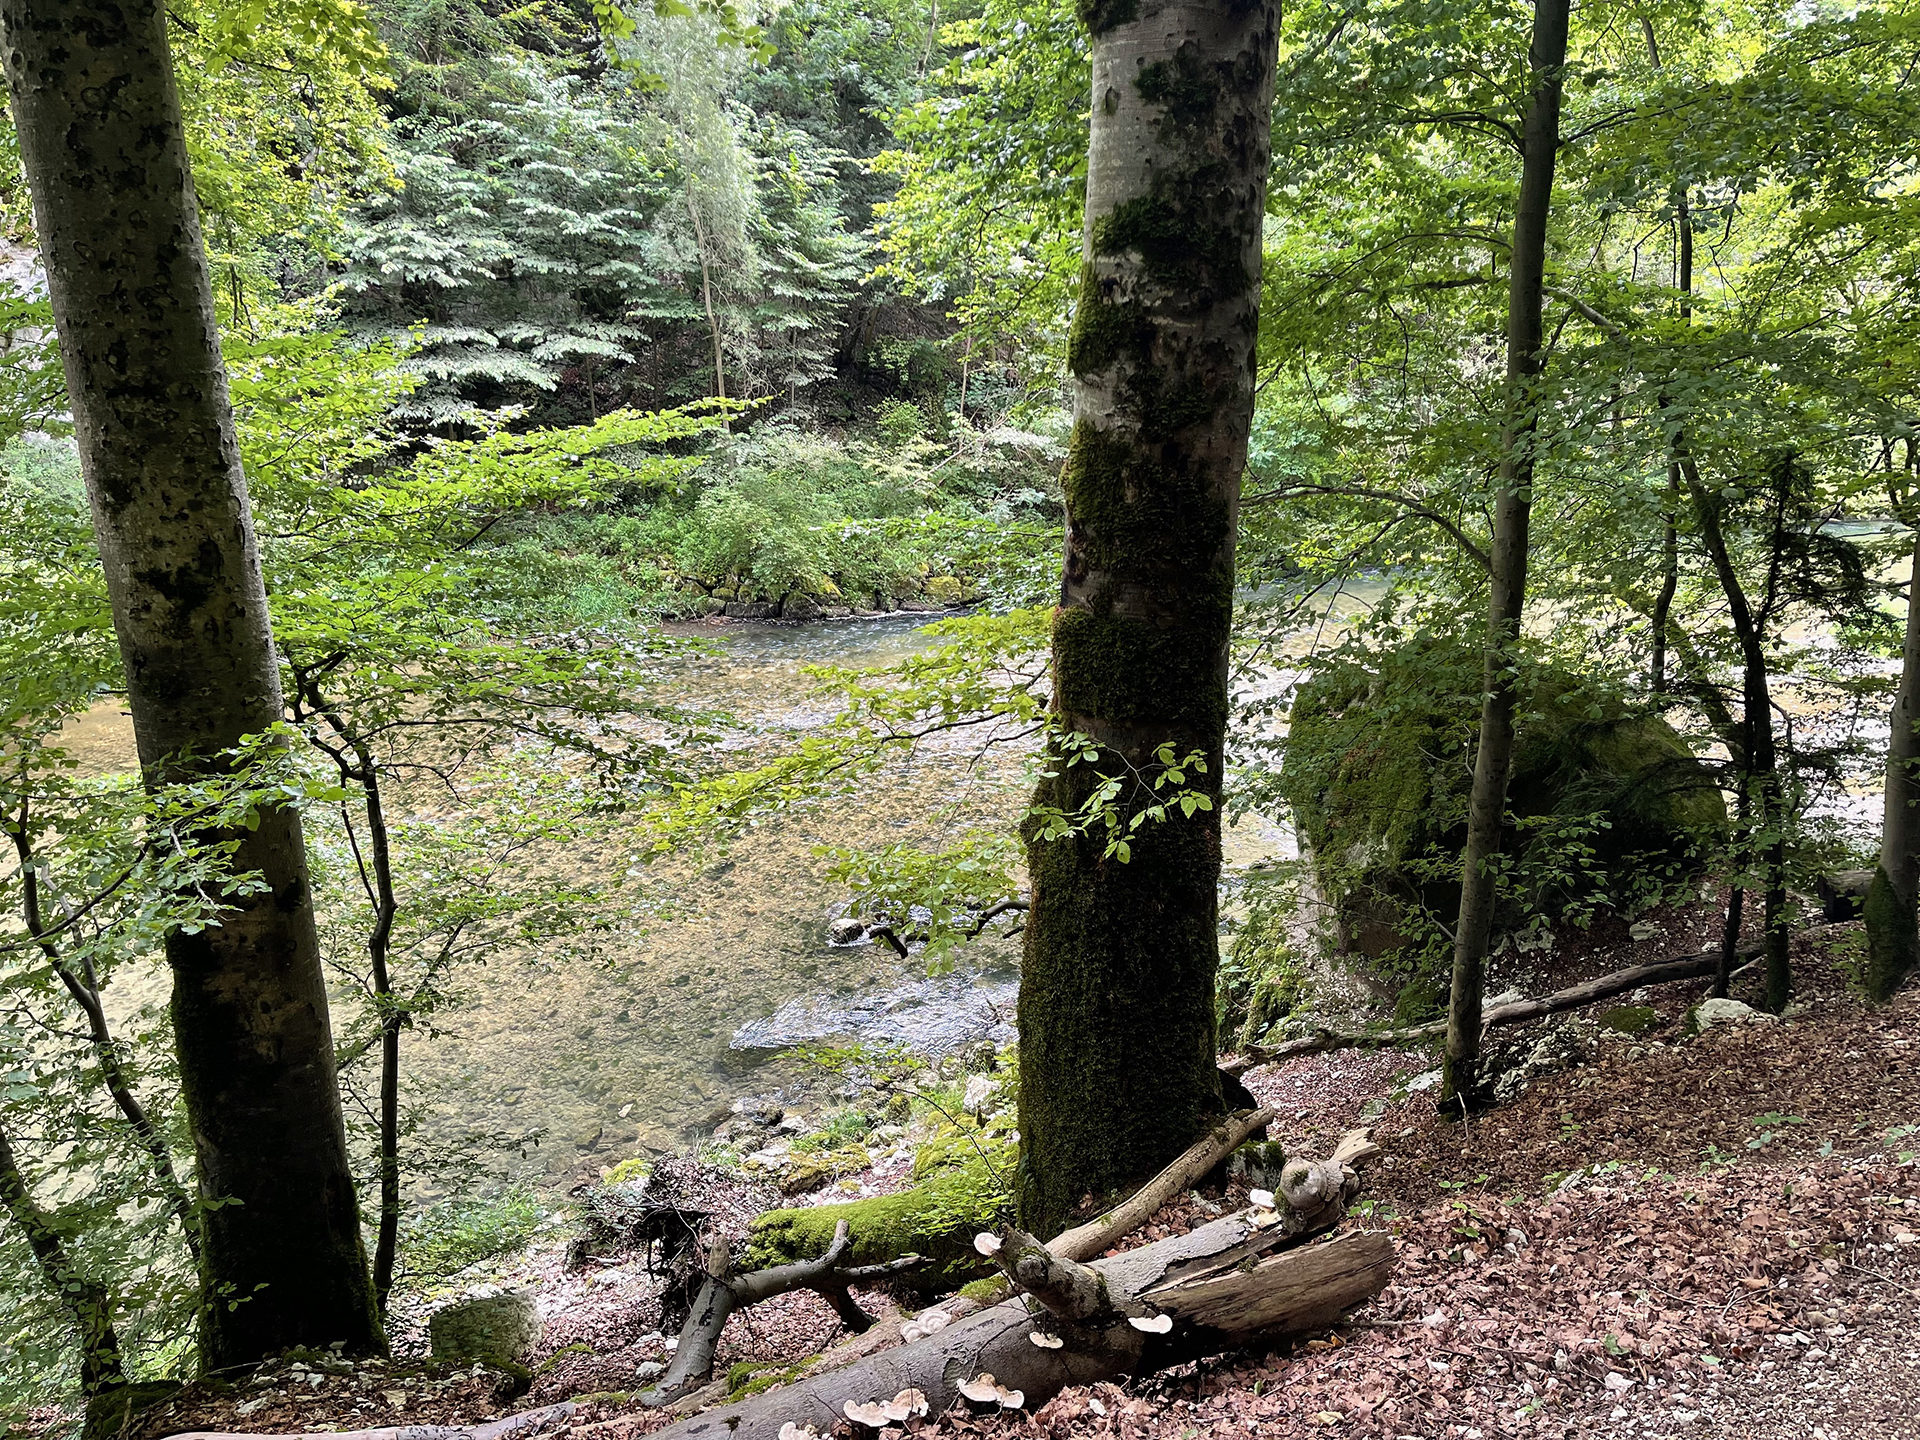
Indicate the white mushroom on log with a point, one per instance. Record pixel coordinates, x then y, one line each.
1230 1283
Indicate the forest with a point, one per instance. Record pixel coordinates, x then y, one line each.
782 718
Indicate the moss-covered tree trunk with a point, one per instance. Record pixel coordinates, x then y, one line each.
1507 589
98 118
1893 932
1117 1058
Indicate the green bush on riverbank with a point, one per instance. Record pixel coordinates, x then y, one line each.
808 524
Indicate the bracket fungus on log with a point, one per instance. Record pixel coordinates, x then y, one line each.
1229 1283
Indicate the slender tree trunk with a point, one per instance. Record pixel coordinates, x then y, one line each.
87 1302
100 134
1893 934
1669 583
1761 790
379 947
1117 1055
706 296
83 987
1507 592
1670 536
1730 925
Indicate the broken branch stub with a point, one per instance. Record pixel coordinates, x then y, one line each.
724 1293
1083 1242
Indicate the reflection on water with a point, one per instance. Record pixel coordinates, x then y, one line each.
635 1052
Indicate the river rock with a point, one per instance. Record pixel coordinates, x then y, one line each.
1843 894
982 1057
751 609
847 930
500 1327
1709 1013
932 1016
800 607
980 1091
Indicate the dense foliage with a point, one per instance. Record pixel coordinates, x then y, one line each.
548 323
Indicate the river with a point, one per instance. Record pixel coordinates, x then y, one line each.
548 1067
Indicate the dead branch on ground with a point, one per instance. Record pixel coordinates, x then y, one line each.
1325 1037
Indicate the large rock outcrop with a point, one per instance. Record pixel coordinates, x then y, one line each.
1379 765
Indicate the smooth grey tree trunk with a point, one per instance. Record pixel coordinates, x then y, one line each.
98 117
1117 1057
1893 932
1507 591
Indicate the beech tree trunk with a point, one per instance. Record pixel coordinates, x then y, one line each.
1117 1025
98 117
1893 934
1507 591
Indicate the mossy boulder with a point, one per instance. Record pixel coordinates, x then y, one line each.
500 1328
960 1190
1379 767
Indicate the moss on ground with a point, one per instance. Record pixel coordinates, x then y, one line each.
1630 1019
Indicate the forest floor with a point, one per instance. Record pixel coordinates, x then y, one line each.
1716 1235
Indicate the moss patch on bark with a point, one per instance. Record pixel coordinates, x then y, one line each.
961 1192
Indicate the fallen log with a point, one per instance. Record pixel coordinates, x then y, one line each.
1227 1284
511 1427
1325 1038
722 1294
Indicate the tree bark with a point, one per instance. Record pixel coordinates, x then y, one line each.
98 118
1669 583
1117 990
84 1299
1507 590
392 1017
1893 934
1761 782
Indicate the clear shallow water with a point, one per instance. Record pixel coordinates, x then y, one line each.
551 1068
